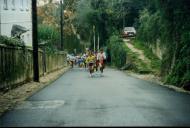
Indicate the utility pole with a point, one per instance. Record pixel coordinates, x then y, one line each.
122 12
61 23
94 38
35 41
98 42
112 3
123 17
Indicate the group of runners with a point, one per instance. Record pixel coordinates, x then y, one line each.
92 61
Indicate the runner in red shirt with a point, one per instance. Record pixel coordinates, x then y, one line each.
101 57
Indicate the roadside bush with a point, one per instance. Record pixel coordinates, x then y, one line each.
10 41
117 51
50 35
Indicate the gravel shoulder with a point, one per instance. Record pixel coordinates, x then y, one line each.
16 96
154 79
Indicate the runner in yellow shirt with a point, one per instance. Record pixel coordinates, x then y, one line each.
90 60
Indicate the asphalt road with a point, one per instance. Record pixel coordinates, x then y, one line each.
116 99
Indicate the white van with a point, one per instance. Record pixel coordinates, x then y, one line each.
129 32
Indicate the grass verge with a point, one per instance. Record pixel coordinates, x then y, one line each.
140 66
155 61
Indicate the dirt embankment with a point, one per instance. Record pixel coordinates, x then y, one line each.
140 52
148 77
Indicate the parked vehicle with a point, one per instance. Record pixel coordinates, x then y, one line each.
129 32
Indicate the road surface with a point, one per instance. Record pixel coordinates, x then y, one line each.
116 99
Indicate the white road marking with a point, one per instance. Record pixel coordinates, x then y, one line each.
41 104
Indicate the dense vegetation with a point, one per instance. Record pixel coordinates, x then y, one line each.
49 27
117 51
11 41
167 21
163 22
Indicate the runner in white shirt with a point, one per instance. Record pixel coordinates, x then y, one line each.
101 57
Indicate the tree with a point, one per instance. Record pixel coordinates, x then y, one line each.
167 20
49 19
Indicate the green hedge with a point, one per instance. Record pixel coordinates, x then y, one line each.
117 51
10 41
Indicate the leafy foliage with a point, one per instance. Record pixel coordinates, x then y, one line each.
11 41
117 51
155 62
163 20
168 21
49 36
49 26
